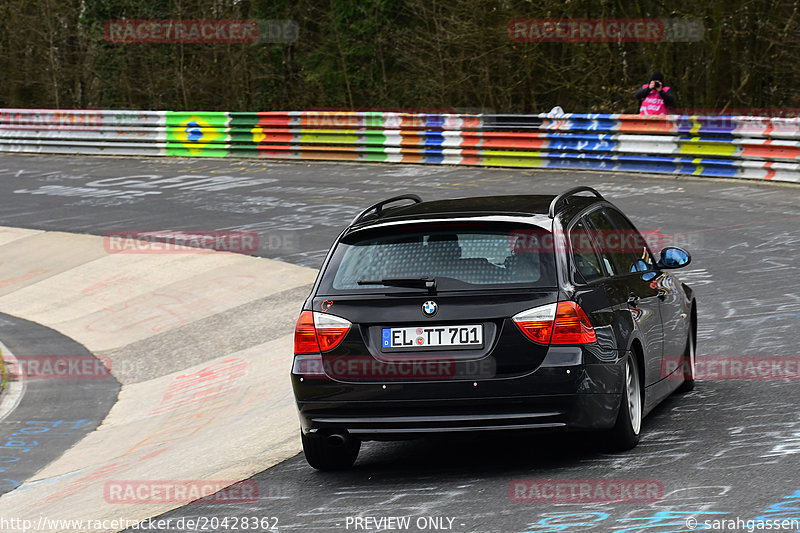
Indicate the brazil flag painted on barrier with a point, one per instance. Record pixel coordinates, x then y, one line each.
197 134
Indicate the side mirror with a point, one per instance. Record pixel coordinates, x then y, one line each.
672 257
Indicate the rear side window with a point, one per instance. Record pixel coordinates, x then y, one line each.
585 262
459 258
610 243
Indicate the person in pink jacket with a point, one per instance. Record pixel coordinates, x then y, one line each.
655 98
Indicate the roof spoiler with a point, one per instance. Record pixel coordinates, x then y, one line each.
564 197
378 207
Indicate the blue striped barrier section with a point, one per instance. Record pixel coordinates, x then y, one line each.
716 146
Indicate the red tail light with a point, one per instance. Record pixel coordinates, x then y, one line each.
331 330
319 332
562 323
537 323
305 336
572 326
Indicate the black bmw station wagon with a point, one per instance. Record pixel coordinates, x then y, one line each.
489 313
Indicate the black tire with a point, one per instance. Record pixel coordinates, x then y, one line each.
625 433
325 453
687 365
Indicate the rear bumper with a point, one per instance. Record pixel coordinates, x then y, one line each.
578 397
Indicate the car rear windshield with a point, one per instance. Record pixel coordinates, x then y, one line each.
458 258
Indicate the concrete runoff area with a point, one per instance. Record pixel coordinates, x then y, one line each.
206 414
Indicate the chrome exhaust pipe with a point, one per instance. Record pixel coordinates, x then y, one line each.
336 439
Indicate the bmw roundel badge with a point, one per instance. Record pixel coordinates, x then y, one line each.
430 308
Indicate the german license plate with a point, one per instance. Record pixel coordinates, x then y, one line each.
470 336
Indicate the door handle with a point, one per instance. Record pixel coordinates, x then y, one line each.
633 300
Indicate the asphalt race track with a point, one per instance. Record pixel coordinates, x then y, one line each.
729 449
71 407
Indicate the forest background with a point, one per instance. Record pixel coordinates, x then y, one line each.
424 55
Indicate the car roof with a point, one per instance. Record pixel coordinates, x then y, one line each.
507 206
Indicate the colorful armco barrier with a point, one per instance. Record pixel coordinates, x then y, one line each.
720 146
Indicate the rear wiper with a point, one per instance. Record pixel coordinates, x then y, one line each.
422 283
